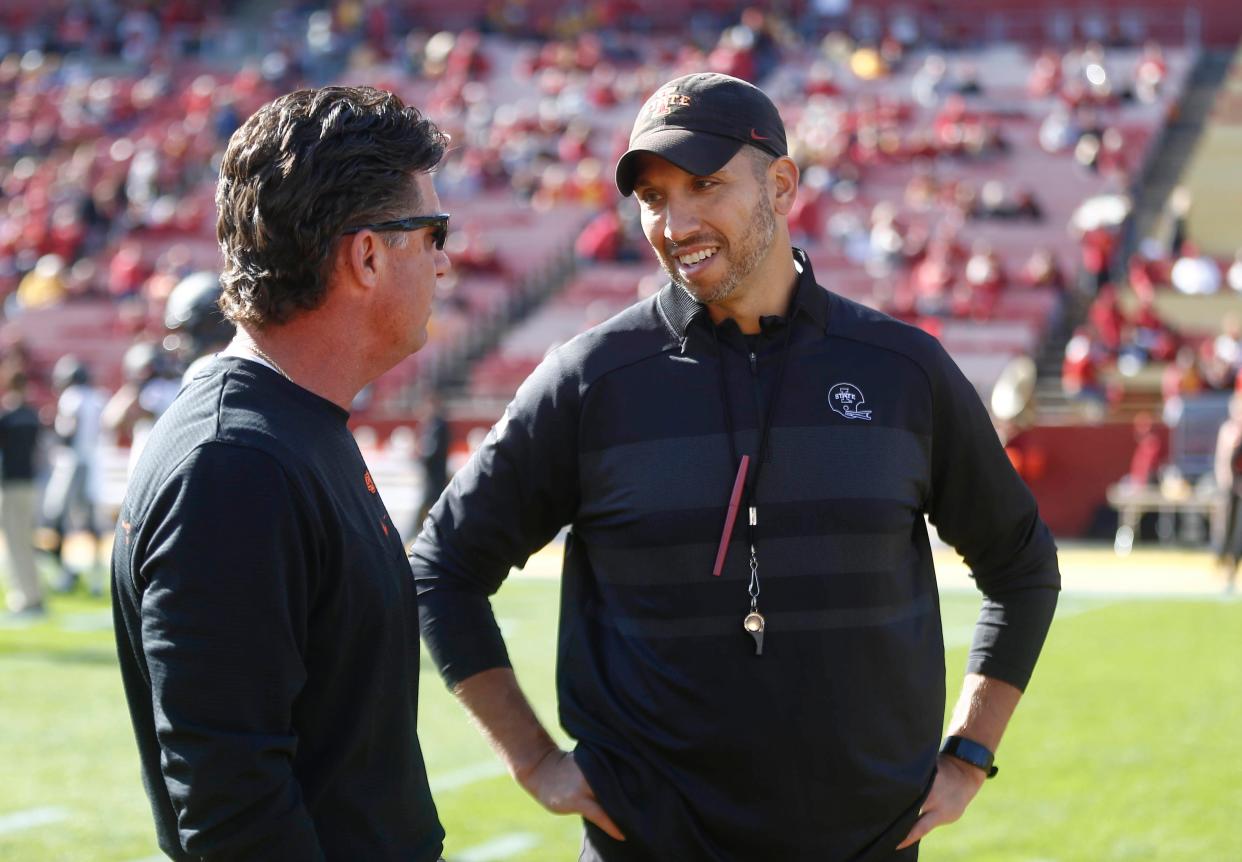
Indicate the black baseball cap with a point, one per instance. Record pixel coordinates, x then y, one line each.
698 122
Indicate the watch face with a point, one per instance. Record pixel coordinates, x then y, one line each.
971 752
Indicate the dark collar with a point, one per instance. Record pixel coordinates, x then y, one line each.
809 300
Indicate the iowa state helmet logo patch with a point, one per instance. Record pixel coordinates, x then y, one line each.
845 399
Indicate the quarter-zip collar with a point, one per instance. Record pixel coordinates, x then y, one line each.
809 301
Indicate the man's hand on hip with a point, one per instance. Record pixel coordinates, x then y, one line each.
954 786
558 785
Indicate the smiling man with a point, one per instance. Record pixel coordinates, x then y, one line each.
750 651
265 617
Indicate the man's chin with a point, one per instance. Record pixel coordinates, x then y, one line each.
706 294
695 292
418 341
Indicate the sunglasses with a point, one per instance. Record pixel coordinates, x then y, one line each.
438 224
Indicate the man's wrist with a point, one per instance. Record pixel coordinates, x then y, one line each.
524 771
969 751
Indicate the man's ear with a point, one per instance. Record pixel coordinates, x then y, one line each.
361 255
784 174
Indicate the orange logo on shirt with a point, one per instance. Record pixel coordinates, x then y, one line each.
366 477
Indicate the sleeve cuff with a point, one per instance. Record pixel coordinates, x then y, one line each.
461 634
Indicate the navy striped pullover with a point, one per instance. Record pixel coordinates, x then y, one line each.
824 747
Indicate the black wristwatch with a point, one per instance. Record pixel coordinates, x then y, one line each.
971 752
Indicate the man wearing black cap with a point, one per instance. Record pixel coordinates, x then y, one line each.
750 648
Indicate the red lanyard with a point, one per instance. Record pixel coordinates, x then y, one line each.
745 492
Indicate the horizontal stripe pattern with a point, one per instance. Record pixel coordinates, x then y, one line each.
783 557
805 464
822 619
670 528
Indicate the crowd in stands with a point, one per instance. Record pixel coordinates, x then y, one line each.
949 188
115 114
913 170
1129 337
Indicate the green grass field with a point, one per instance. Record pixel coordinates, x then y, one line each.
1128 745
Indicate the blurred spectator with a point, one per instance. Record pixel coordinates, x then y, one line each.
1059 131
1080 372
19 439
850 233
1106 318
1195 274
1098 245
72 490
930 83
1227 345
1042 270
1150 338
985 280
151 382
1087 151
472 252
1148 271
1112 160
1150 73
1217 374
433 454
608 237
1045 77
127 271
806 219
1150 453
197 329
1228 471
994 202
933 278
887 240
1234 276
1177 212
1182 379
44 285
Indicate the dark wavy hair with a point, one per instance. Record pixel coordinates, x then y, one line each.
298 172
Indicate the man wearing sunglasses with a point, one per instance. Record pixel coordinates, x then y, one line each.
265 616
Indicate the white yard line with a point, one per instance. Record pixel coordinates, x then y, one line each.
466 775
94 621
498 848
962 635
30 818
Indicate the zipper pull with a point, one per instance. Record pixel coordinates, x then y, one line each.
754 365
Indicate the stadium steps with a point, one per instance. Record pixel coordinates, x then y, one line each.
453 376
1050 402
1175 149
1181 136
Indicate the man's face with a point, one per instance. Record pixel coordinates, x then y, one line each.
414 266
711 233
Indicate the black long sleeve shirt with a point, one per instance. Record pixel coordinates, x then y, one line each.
823 747
268 635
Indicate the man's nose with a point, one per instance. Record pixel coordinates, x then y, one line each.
681 221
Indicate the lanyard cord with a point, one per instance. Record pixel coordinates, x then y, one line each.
752 481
